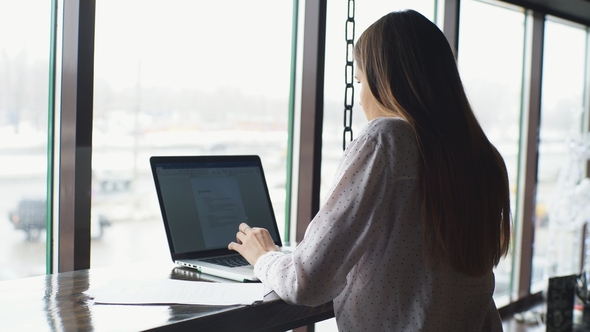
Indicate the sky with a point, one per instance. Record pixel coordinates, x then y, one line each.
185 42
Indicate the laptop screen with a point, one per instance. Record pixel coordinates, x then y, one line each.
204 198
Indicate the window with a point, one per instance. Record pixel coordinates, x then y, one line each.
491 65
182 78
196 78
558 231
25 36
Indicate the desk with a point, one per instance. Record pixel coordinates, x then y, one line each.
56 302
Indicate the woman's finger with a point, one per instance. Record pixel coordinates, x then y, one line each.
234 246
240 236
243 227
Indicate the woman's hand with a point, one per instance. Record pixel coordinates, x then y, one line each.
253 243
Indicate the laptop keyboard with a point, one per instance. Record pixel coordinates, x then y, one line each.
231 261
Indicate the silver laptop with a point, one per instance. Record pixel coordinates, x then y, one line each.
203 199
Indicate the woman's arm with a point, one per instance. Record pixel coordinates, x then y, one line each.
338 236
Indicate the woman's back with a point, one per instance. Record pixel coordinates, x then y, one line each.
393 282
364 249
408 70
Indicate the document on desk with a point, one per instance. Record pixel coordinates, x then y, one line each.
170 291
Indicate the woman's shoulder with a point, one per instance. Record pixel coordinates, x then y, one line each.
392 142
389 129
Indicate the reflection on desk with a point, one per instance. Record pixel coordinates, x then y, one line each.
56 302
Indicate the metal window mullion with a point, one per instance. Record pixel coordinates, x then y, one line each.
51 103
75 140
311 119
312 113
586 111
529 156
451 23
291 121
585 128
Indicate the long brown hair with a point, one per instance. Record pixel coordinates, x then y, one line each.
412 73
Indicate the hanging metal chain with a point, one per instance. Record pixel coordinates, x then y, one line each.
349 75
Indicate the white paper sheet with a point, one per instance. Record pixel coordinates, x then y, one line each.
169 291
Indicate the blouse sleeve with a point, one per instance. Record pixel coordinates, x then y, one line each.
337 237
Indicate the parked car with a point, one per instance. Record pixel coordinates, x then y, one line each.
30 216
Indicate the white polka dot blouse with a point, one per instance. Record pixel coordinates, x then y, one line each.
363 250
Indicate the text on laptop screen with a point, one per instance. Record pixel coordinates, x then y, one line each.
204 204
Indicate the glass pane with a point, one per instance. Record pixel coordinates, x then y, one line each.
558 230
366 12
182 77
24 88
490 61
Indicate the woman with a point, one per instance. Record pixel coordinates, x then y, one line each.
419 212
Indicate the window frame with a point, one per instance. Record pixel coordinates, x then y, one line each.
75 112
